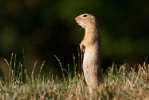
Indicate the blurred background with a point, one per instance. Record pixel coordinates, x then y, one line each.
44 28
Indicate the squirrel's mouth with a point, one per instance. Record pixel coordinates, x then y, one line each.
82 25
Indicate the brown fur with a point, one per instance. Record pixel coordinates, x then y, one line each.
91 48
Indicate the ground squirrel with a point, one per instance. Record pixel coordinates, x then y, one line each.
90 46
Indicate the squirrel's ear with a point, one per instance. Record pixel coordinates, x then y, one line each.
92 18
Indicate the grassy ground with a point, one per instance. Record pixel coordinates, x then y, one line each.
123 83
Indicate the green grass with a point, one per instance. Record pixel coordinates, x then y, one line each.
120 83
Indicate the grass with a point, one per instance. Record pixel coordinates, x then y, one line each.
120 83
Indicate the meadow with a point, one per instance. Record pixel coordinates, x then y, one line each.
121 82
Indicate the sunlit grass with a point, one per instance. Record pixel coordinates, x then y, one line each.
120 83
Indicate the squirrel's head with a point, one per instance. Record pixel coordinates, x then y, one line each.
85 20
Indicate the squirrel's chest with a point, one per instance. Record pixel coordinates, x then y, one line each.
90 55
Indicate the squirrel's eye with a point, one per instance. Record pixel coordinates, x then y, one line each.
85 15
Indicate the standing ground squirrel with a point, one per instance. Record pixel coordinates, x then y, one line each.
90 46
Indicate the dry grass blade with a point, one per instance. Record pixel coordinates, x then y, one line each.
119 84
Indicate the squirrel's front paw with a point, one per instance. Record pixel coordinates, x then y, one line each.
82 47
